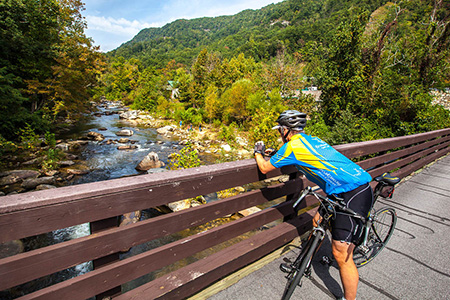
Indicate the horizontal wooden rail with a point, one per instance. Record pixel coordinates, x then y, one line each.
96 201
184 282
100 203
34 264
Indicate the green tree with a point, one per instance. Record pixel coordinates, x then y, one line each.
342 67
235 101
48 65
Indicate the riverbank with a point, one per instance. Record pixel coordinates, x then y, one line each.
71 157
203 138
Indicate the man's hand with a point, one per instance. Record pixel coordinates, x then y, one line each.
270 152
259 148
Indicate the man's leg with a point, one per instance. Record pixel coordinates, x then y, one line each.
343 253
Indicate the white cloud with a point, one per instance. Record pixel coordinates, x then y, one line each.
120 26
178 9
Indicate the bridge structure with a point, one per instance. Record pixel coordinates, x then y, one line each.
206 257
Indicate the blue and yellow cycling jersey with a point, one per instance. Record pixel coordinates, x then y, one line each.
322 164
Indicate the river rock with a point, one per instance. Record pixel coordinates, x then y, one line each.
21 174
16 176
2 193
63 146
156 170
179 205
11 248
74 171
151 161
45 187
31 183
239 189
75 145
127 147
226 147
283 178
51 173
164 130
95 136
34 161
130 218
123 140
125 132
249 211
66 163
129 115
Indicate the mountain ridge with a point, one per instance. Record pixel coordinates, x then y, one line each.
259 33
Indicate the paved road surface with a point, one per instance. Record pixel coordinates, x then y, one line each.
415 264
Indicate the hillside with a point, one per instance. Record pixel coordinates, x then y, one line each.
256 33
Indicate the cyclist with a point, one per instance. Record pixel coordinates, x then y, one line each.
336 175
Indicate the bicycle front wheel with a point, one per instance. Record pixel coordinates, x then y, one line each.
301 264
382 228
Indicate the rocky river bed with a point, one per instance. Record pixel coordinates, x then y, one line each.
116 142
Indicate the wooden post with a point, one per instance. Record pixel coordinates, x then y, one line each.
289 197
96 227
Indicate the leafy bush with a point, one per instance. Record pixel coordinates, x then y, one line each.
187 158
227 133
52 157
28 138
50 139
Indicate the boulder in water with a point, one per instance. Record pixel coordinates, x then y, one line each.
96 136
123 140
127 147
125 132
151 161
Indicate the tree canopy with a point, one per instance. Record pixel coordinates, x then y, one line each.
48 66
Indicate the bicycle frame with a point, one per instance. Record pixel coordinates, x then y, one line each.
327 210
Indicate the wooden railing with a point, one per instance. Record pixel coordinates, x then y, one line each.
101 204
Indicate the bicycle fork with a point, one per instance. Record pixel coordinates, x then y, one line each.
314 240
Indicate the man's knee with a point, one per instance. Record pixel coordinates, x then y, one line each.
342 251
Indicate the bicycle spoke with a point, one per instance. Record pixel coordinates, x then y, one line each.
382 229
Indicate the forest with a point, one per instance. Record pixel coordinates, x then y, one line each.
375 63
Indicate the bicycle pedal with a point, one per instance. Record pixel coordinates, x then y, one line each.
287 260
285 268
307 273
326 260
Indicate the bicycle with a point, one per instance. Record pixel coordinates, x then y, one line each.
378 228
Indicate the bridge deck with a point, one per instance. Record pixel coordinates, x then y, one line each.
415 264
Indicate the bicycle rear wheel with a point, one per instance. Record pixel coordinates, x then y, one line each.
382 228
300 265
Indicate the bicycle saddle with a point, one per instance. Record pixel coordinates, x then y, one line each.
387 179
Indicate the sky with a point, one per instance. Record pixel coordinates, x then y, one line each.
113 22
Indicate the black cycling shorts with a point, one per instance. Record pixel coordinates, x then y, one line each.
346 228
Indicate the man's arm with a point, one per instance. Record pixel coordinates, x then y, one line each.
264 165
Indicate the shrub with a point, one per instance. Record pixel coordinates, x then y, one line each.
187 158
